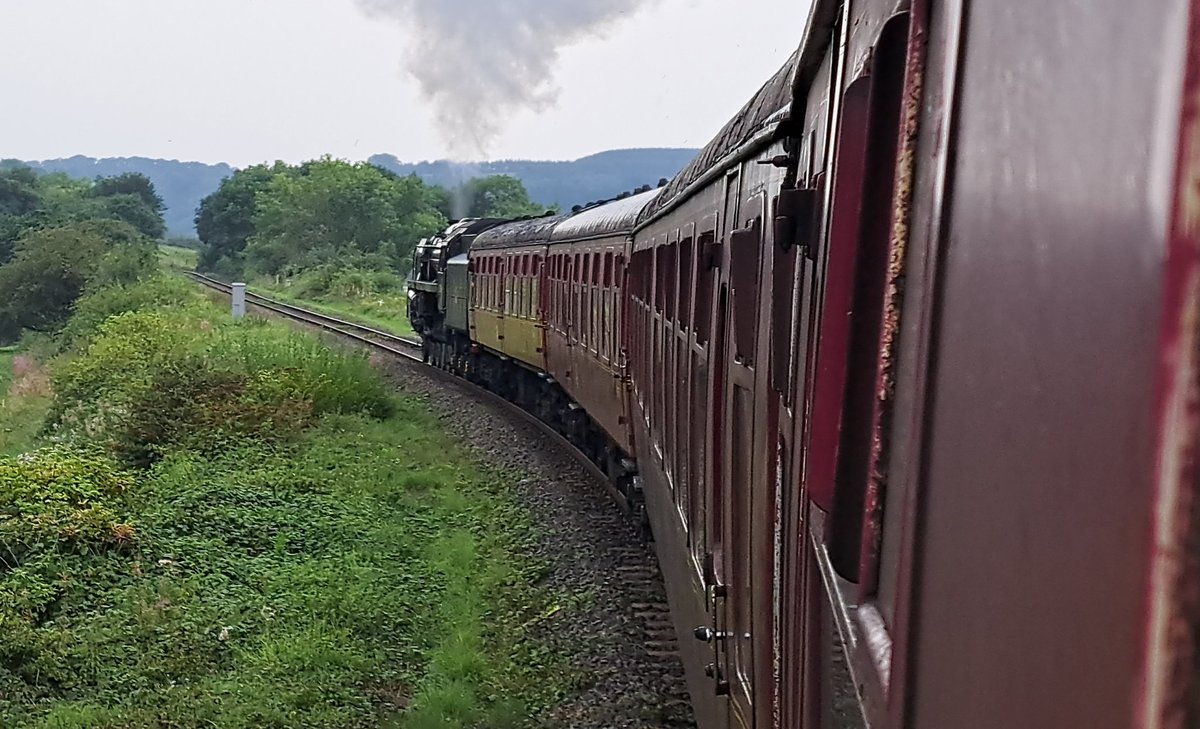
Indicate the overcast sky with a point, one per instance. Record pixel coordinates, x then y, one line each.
244 81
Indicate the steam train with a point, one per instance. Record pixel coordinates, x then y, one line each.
902 370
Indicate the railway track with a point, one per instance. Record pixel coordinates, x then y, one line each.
631 569
376 338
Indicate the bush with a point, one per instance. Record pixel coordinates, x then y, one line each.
51 268
56 498
101 303
151 381
57 507
328 282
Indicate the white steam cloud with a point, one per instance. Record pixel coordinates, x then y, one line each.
480 61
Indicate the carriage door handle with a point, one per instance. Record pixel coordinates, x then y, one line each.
705 634
712 636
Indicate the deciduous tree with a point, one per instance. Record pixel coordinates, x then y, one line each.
342 213
225 219
497 196
51 267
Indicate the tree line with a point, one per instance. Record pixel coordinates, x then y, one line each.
282 220
61 236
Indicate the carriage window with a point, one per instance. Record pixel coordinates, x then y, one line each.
685 283
487 283
608 270
484 280
559 289
508 269
576 272
671 281
535 270
660 283
705 281
745 252
843 415
527 285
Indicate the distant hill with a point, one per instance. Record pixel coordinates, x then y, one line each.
183 185
596 177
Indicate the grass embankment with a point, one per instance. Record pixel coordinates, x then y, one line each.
177 258
231 525
385 313
375 298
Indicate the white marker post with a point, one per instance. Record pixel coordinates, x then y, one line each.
239 300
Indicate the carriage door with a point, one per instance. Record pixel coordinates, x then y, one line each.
736 457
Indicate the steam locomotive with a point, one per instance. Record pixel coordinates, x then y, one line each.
901 371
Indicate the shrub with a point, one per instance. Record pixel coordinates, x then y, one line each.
52 267
151 381
101 303
56 498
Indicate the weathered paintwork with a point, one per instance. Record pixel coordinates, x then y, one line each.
1037 484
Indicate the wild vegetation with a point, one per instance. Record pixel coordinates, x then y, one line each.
215 523
60 238
24 400
335 234
330 216
178 258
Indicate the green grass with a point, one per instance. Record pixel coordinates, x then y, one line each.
371 576
22 409
362 572
6 374
174 258
384 312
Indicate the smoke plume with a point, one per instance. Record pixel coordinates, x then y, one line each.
480 61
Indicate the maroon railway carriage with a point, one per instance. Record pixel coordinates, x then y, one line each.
913 348
908 361
704 402
545 313
584 304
